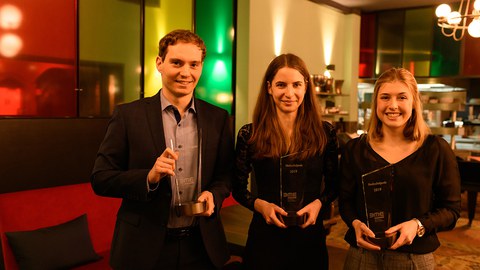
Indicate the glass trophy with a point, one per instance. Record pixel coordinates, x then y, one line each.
194 207
191 208
292 186
377 192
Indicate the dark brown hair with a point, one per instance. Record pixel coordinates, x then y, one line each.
308 136
180 36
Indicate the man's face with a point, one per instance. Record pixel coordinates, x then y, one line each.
181 69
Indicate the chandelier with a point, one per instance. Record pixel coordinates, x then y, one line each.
454 23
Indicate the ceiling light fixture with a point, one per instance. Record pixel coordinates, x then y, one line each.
454 23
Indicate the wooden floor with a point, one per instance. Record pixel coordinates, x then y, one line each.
236 220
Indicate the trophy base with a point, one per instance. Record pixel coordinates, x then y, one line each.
383 241
292 219
191 208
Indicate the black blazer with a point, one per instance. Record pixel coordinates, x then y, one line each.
133 141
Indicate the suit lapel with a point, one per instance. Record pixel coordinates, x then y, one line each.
154 118
203 129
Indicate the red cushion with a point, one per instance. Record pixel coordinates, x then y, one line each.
33 209
229 201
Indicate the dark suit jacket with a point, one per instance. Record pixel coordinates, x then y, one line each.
133 141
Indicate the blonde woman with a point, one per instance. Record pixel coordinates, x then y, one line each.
426 185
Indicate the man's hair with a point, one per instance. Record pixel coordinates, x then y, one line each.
180 36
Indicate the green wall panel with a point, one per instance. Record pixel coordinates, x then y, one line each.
214 23
445 53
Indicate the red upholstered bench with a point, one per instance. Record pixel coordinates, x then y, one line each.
229 201
39 208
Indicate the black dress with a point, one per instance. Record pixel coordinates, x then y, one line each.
271 247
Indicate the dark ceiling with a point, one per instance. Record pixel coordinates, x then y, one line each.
357 6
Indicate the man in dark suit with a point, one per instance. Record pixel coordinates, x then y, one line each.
161 152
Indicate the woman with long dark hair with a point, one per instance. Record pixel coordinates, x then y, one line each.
287 126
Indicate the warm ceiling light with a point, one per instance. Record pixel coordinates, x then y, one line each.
454 18
474 28
454 24
10 17
10 45
443 10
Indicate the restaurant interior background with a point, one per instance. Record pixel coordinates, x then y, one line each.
65 64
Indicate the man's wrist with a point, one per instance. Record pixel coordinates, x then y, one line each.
152 187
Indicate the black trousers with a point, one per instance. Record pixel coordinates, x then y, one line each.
184 250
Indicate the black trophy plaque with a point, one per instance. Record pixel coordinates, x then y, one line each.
377 192
292 183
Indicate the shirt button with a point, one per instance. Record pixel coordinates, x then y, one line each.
180 169
179 146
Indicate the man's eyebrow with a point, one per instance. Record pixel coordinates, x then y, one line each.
183 61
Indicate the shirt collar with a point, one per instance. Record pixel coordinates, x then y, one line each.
165 103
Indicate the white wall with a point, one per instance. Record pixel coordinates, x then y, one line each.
311 31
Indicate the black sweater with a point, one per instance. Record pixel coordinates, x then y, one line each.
426 187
